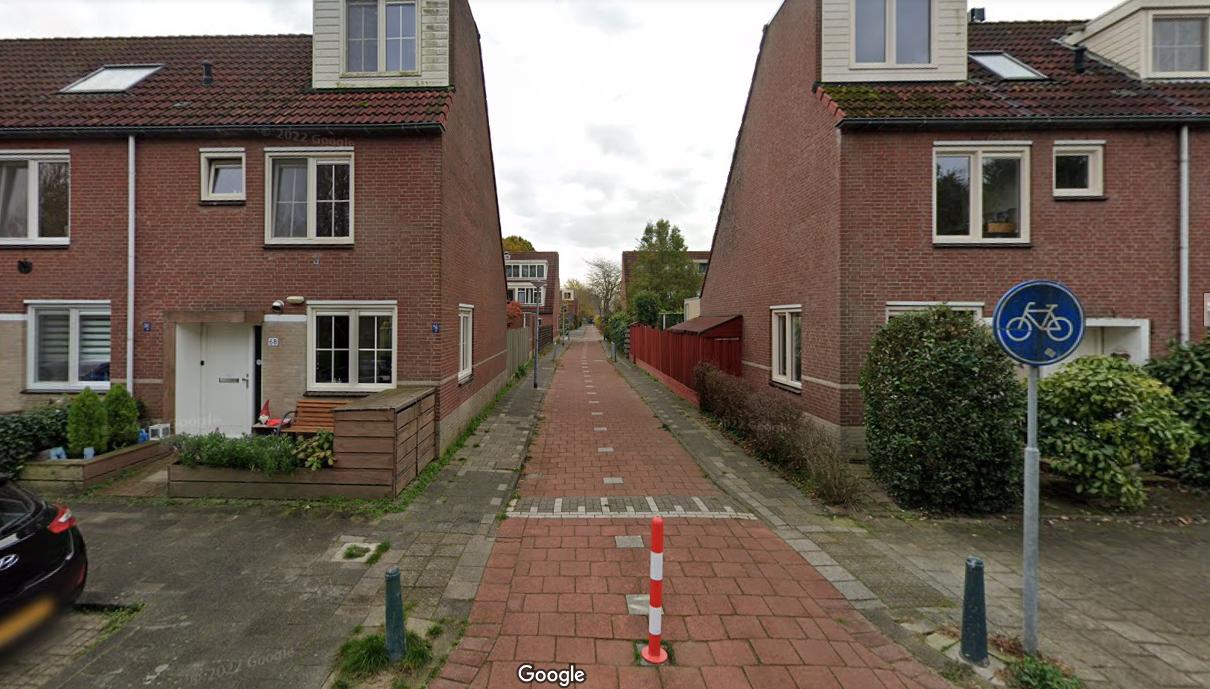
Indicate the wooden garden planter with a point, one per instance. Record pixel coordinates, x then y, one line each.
63 476
301 484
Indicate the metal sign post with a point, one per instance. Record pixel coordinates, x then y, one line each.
1037 323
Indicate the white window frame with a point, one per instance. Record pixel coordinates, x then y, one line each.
1149 41
891 48
899 308
569 295
977 152
214 158
539 293
33 159
313 156
776 312
522 266
75 309
382 39
353 310
466 339
1095 150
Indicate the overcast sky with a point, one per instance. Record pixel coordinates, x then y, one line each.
605 113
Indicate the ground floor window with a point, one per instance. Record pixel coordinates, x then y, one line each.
352 347
466 341
787 345
898 308
527 296
69 345
1125 338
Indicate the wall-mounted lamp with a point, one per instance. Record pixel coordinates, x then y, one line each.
296 301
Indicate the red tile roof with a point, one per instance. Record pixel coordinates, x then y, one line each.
259 81
1102 92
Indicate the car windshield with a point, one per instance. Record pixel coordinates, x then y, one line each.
15 506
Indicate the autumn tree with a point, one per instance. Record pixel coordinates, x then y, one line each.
605 284
517 244
663 267
516 317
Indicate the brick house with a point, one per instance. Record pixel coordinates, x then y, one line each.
864 121
220 221
631 258
570 309
533 281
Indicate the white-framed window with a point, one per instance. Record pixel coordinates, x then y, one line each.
569 295
535 271
466 341
898 308
223 174
1079 168
1180 44
310 196
35 197
68 345
787 345
981 194
351 346
889 33
529 296
381 37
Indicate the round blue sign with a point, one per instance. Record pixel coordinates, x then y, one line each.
1039 322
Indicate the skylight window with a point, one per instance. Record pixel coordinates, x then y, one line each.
113 79
1006 66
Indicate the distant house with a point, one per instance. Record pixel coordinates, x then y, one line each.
630 260
533 280
894 159
570 309
220 221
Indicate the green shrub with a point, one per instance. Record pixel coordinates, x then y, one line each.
619 323
1186 370
779 432
644 307
944 414
87 424
24 435
363 657
1103 421
123 414
269 454
1029 672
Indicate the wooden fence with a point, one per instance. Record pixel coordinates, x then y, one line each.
672 356
520 344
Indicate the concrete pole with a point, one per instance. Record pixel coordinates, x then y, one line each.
1029 594
537 321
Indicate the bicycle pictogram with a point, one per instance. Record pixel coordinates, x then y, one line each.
1058 328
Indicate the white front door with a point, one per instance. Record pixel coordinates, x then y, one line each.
227 352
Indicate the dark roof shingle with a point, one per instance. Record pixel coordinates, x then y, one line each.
1102 91
259 81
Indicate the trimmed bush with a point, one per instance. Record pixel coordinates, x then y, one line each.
123 414
269 454
944 414
24 435
1102 421
644 307
1186 370
779 433
87 424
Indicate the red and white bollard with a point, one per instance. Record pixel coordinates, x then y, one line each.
654 653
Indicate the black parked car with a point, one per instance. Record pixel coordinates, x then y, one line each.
43 565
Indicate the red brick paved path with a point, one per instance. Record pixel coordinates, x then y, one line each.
742 609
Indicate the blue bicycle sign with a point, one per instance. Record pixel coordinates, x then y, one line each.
1039 322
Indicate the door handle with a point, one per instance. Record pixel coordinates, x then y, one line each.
228 380
246 382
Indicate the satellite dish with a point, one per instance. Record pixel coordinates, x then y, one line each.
508 256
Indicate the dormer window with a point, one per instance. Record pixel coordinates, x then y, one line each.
1179 46
380 37
892 32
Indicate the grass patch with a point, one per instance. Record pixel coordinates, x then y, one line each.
419 652
363 656
117 616
378 552
435 631
352 552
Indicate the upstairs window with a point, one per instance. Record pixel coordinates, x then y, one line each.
1079 169
892 32
981 195
35 198
536 271
310 199
380 36
222 174
1179 46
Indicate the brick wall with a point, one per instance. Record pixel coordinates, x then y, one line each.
284 380
553 291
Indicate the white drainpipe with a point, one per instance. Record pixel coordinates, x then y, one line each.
130 265
1185 234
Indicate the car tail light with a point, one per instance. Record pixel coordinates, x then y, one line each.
63 521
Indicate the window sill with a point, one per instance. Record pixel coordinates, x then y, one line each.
788 387
379 75
309 245
35 244
982 245
1089 197
464 380
223 202
66 390
341 393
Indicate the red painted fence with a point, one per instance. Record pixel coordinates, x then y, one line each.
672 356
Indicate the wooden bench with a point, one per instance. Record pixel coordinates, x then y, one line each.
312 416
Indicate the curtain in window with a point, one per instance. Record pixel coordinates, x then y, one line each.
94 345
52 346
362 29
870 30
290 199
1179 45
14 199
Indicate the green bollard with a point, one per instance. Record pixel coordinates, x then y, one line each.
397 642
974 614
